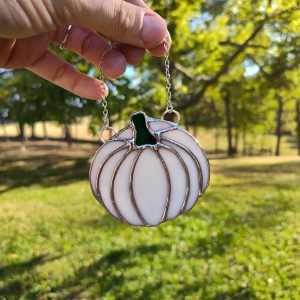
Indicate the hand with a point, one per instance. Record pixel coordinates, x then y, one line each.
28 27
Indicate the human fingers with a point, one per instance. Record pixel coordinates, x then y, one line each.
91 46
121 21
63 74
139 3
134 55
160 49
22 52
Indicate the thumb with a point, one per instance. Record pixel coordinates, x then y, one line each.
119 20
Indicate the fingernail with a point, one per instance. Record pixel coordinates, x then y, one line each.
106 92
103 90
153 30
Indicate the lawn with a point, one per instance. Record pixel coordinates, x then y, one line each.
241 241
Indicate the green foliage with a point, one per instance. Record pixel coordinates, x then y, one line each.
228 47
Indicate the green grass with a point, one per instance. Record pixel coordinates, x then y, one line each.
242 241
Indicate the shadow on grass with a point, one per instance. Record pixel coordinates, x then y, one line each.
113 274
52 170
106 274
236 294
276 168
16 285
105 222
279 176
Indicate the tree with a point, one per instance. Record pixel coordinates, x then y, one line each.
220 37
231 63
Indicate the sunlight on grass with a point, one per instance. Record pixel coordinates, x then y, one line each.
241 241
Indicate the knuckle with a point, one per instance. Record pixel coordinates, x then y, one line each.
124 16
75 83
88 44
6 51
60 73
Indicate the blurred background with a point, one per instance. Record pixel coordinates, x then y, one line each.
236 79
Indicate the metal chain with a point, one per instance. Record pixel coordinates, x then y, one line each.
170 114
102 87
64 41
168 77
169 107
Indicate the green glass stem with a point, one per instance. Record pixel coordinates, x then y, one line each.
143 136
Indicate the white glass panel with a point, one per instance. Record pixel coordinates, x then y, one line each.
150 186
188 141
178 182
127 134
122 190
159 125
106 178
193 172
100 157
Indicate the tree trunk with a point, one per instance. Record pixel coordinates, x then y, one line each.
230 149
45 130
33 135
22 136
186 122
236 141
68 136
5 130
195 131
244 141
298 124
279 125
217 135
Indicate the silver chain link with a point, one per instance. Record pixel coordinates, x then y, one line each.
169 107
168 77
101 77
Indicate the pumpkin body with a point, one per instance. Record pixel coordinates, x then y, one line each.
147 176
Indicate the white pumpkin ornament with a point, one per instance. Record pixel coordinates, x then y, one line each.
150 171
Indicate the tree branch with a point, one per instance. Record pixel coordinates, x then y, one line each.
194 98
180 68
261 67
236 45
184 71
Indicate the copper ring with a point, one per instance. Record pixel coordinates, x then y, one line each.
171 111
107 128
